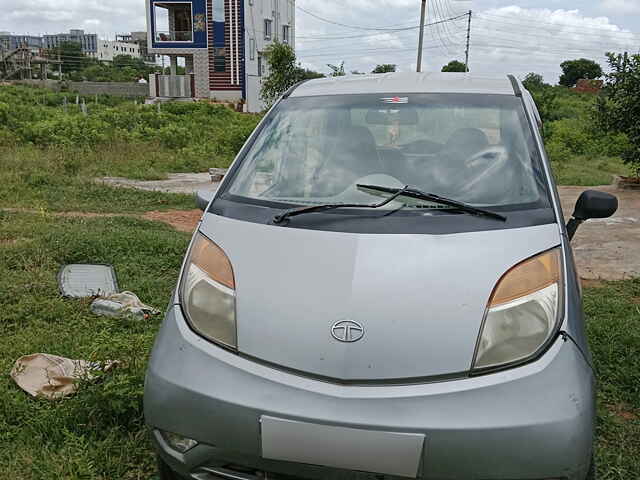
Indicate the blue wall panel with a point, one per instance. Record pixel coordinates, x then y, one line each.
199 20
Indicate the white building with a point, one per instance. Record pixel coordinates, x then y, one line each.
221 42
108 49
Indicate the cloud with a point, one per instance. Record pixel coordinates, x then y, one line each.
53 16
385 40
620 6
544 38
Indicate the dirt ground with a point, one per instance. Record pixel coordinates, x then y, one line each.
607 249
183 221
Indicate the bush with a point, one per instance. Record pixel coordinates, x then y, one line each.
42 118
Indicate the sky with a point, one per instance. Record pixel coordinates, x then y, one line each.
507 36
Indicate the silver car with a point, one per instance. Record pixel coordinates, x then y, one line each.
382 287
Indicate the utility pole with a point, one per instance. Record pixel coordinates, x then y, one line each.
423 13
466 53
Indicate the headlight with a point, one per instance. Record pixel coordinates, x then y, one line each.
523 312
207 292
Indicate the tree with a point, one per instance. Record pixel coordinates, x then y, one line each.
534 81
384 68
120 61
455 66
574 70
307 74
337 70
72 56
283 71
619 111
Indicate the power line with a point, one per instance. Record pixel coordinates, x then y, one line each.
404 30
355 27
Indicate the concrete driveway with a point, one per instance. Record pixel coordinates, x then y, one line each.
607 249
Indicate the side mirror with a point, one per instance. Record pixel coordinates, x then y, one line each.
591 204
203 199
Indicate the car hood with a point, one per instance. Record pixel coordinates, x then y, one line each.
419 298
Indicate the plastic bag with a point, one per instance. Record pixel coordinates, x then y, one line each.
122 305
53 377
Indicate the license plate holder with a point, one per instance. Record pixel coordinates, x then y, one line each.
389 453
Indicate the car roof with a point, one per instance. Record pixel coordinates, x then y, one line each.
403 83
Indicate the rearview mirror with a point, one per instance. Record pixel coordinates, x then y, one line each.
390 116
203 199
591 204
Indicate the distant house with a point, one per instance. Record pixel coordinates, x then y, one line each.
589 86
140 39
109 49
221 44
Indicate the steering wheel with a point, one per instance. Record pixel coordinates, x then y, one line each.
481 178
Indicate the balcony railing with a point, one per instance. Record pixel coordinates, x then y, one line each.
175 36
173 86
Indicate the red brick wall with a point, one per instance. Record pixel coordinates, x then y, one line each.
222 81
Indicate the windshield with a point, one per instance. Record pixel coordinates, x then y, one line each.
473 148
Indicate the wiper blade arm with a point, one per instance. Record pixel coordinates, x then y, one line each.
280 218
432 197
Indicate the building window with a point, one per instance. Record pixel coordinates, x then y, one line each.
259 64
218 11
268 27
220 60
173 21
252 49
285 33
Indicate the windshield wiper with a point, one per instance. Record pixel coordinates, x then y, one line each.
431 197
332 206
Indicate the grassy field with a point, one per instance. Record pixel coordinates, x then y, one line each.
588 171
97 434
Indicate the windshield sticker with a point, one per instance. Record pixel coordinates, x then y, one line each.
395 100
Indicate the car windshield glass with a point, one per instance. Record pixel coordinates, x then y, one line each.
473 148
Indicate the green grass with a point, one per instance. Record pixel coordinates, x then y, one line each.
613 325
99 433
585 171
61 179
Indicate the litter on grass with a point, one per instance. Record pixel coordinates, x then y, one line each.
122 305
81 281
53 377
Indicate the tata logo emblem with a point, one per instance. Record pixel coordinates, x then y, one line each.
347 331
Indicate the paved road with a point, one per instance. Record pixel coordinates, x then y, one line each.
606 249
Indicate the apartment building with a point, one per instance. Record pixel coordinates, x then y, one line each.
88 41
220 43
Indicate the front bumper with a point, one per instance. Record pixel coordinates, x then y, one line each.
532 422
